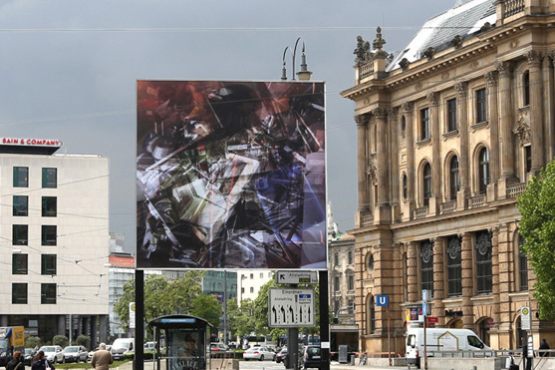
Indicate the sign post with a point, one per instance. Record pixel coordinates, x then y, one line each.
383 300
424 313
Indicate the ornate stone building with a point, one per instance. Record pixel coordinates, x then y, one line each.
449 131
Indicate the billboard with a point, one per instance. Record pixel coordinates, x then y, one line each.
231 175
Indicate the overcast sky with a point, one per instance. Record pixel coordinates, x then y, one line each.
69 69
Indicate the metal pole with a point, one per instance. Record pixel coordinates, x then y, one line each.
425 344
389 335
138 363
70 330
324 319
225 307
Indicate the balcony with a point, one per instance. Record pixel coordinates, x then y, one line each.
512 7
515 190
477 201
421 212
448 207
367 220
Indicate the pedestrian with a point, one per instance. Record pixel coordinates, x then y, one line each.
102 358
16 363
544 346
40 362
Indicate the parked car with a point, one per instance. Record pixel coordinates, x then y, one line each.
28 356
280 356
312 357
259 353
121 347
75 354
91 353
53 354
217 347
150 346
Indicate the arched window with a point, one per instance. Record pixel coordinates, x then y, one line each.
483 170
427 267
454 181
454 267
526 87
483 263
427 185
522 265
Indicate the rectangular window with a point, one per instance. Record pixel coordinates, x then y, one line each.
483 263
427 267
351 282
49 206
48 293
452 124
252 289
454 267
336 259
19 264
48 264
350 257
528 158
50 178
481 114
336 284
425 124
20 234
21 177
19 293
48 235
20 205
242 290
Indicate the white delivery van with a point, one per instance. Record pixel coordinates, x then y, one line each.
121 347
442 340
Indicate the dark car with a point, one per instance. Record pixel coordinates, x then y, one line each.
28 356
312 357
280 356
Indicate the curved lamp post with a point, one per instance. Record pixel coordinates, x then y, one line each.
304 74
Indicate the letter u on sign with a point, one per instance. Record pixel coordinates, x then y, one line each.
382 300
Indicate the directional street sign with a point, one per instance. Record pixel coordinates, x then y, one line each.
296 277
289 307
382 300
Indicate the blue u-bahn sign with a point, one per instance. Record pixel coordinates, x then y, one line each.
382 300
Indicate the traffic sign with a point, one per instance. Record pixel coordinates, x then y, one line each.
131 315
525 318
296 277
289 307
433 319
382 300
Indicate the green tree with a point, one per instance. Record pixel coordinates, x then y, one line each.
60 340
537 226
208 307
83 340
32 342
240 319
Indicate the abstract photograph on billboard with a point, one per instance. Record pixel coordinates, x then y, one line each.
231 175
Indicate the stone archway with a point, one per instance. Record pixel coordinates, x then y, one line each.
455 324
483 326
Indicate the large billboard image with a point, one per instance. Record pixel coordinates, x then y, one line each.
231 175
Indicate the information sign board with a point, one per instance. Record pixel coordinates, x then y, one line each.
289 307
296 277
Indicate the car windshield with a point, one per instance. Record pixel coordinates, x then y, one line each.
3 344
28 351
48 349
71 349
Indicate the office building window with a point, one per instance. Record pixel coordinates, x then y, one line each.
481 107
452 124
425 124
19 293
454 182
48 264
427 267
50 178
20 234
20 205
483 263
252 289
351 282
522 265
48 235
242 290
252 276
49 206
48 293
21 177
483 169
19 264
427 177
454 267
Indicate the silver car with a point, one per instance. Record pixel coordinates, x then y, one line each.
53 354
75 354
259 353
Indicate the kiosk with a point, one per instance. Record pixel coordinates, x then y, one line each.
186 340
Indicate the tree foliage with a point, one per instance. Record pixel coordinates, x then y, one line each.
537 226
164 297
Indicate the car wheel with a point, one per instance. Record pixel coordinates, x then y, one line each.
63 360
261 358
274 358
246 359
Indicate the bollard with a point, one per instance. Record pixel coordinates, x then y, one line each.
353 358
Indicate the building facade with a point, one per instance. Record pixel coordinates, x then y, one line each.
54 240
449 132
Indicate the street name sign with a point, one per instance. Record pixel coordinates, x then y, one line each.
290 307
296 277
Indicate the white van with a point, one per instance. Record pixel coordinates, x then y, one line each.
121 347
442 340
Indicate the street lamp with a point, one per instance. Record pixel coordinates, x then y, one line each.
304 74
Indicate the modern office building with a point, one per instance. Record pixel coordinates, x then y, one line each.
250 281
449 132
53 240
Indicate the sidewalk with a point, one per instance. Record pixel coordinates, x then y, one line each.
338 366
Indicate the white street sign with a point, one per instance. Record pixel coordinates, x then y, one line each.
525 318
289 307
296 277
131 315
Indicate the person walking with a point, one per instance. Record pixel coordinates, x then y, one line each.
40 362
16 363
544 346
102 358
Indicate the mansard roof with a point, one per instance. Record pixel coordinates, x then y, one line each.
465 19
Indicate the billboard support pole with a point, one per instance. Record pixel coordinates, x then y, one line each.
138 363
324 320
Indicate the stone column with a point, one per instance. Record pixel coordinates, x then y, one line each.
409 136
491 79
506 122
536 112
382 199
467 281
495 275
61 325
394 158
94 332
462 88
103 328
412 278
438 309
436 159
362 160
3 320
549 89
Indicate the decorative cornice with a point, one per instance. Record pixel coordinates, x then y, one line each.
534 57
505 69
380 112
362 119
407 107
393 112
